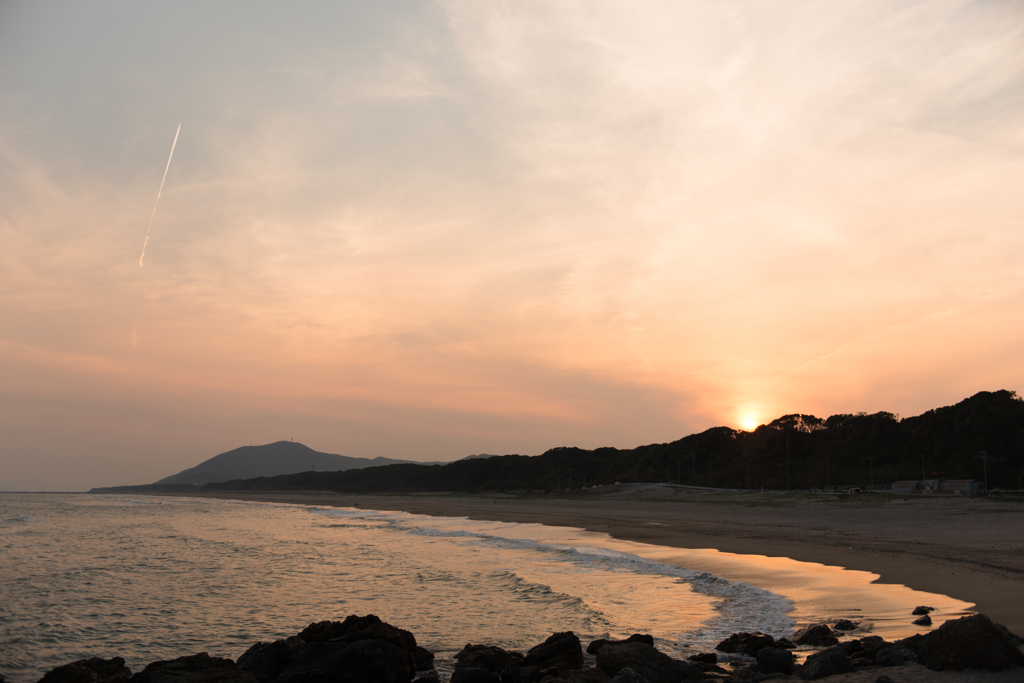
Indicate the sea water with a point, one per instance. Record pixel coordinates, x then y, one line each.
150 578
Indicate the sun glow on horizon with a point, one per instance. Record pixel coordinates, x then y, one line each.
749 422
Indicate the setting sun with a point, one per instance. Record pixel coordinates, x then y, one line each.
749 422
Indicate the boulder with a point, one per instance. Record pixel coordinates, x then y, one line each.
266 660
922 621
845 625
596 645
745 643
561 651
774 660
894 655
785 643
473 674
329 630
884 679
704 658
493 660
423 659
819 635
646 662
361 661
972 642
827 663
92 670
588 675
197 668
922 609
627 675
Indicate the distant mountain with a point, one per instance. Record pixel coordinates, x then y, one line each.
270 460
478 457
981 437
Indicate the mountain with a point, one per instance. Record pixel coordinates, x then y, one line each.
282 457
982 437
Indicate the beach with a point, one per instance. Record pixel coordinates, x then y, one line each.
968 549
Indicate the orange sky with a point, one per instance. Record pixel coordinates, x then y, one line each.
425 230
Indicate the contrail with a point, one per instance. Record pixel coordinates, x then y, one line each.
159 192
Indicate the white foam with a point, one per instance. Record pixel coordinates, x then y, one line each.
21 519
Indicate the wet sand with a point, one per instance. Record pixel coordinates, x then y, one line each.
969 549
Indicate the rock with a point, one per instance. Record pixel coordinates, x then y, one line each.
266 660
596 645
894 655
772 660
430 677
92 670
198 668
745 643
329 630
646 662
922 609
627 675
972 642
561 651
922 621
818 635
884 679
588 675
705 658
362 661
785 643
423 659
826 663
845 625
473 674
489 657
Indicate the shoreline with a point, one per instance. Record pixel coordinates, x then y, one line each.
968 549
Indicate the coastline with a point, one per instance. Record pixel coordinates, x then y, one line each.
968 549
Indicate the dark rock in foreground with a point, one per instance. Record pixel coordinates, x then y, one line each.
93 670
819 635
198 668
646 662
364 649
745 643
972 642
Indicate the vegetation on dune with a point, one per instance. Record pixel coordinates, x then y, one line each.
985 431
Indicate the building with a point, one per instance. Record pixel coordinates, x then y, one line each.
940 487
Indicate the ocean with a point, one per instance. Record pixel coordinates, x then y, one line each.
150 578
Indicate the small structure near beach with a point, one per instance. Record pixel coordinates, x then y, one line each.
940 487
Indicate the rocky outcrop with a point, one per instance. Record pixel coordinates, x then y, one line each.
922 609
197 668
92 670
646 662
364 649
972 642
775 660
561 652
596 645
819 635
922 621
745 643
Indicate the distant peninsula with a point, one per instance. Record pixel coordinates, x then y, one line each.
981 437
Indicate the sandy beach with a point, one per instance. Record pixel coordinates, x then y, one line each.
969 549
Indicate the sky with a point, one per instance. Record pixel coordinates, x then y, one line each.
425 230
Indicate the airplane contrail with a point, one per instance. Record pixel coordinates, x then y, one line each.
159 192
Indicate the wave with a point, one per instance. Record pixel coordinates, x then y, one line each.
736 604
21 519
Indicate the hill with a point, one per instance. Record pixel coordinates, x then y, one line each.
978 437
282 457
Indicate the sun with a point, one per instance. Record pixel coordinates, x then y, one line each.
749 422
